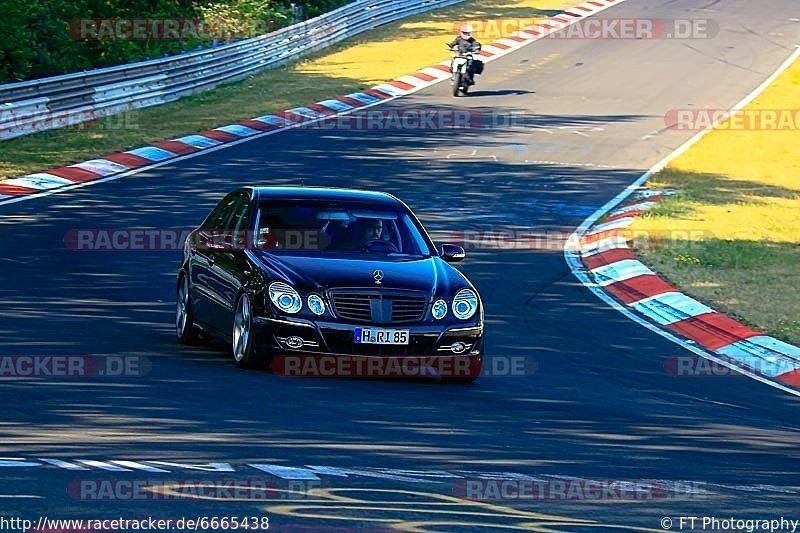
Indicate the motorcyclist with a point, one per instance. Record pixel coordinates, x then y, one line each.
466 44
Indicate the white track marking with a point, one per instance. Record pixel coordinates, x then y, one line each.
103 465
287 472
204 467
63 464
15 462
138 466
576 265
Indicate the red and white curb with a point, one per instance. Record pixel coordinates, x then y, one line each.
612 265
122 164
599 256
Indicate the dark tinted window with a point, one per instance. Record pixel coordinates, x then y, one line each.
319 227
221 214
237 220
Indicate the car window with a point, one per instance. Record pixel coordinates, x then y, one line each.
237 224
319 227
238 214
218 218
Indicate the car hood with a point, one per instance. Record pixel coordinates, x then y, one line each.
431 275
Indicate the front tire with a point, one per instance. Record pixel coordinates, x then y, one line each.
184 318
244 352
457 84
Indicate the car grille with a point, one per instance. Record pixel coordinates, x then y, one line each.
379 307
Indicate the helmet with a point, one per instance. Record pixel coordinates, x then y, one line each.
466 28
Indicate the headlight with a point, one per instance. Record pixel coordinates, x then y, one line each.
285 297
439 309
316 304
465 304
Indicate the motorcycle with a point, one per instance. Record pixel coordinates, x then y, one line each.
460 68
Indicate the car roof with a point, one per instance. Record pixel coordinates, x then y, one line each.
323 193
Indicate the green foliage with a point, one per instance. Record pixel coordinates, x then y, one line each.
318 7
238 19
41 38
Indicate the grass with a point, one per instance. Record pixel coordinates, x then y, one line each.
373 57
731 237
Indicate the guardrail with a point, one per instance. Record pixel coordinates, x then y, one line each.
58 101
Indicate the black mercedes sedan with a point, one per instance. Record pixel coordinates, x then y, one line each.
308 271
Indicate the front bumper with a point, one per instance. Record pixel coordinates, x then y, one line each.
329 350
328 337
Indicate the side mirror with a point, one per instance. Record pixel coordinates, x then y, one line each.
452 253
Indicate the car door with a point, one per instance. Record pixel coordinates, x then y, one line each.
227 264
205 292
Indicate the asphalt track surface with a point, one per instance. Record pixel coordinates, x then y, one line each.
594 403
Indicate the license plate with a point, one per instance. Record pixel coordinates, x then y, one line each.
380 336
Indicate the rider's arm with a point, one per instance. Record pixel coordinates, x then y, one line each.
453 44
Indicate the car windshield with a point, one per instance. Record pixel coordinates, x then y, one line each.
335 227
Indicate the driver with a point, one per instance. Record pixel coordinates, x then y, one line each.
466 44
373 229
364 231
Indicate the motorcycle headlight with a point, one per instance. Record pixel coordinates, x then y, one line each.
439 309
316 304
285 297
465 304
